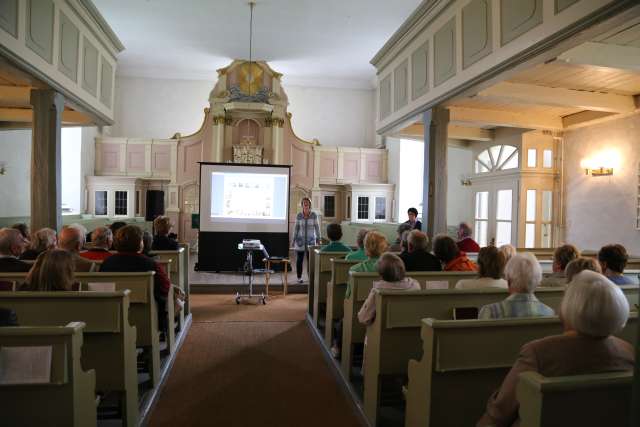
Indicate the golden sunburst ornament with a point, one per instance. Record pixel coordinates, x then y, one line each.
250 77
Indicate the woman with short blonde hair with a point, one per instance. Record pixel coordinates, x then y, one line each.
54 270
374 245
162 240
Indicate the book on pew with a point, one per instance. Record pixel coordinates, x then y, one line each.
25 365
462 313
102 286
437 284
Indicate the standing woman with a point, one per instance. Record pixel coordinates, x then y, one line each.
306 233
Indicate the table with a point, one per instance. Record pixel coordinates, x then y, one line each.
273 261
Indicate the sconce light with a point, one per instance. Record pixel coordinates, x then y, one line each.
465 181
601 164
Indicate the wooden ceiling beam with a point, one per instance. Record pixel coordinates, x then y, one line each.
25 115
479 117
528 94
469 133
15 96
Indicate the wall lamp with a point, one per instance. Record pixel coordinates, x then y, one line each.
601 164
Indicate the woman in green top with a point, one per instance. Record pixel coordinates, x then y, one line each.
374 245
359 255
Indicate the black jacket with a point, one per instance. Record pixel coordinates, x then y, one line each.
164 243
420 261
13 265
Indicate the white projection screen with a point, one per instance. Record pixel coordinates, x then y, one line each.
244 198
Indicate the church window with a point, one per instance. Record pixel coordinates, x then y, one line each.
530 224
71 170
381 208
363 208
101 203
497 158
547 159
121 203
547 215
482 217
348 214
329 206
532 158
138 202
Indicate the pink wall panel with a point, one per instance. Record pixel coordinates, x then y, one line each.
110 157
351 167
135 157
161 158
374 167
328 167
189 165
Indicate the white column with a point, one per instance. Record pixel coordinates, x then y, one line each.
277 141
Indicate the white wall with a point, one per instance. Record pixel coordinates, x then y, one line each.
601 210
459 204
15 153
393 172
154 108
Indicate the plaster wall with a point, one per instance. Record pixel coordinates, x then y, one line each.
601 210
393 172
158 108
459 203
15 153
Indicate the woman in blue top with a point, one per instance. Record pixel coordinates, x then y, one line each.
306 233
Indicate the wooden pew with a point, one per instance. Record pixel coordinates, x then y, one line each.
68 399
470 357
311 263
322 274
582 400
361 283
186 261
336 288
176 263
109 340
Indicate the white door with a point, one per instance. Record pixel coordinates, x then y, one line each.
496 213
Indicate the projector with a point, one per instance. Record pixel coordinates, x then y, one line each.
251 244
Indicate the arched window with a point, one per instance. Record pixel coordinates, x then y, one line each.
497 158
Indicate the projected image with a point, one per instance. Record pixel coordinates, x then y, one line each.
248 196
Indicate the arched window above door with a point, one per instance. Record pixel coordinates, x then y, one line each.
497 158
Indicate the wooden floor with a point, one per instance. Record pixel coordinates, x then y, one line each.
252 365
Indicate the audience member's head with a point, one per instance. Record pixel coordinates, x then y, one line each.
362 233
334 232
507 252
162 225
147 242
417 241
594 306
128 239
613 258
44 239
563 255
11 242
375 244
23 229
83 232
445 248
491 262
117 225
401 229
53 271
102 238
391 267
464 230
404 241
523 273
412 213
71 239
580 264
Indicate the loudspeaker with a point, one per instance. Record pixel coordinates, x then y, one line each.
155 204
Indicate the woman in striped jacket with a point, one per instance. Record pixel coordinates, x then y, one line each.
306 233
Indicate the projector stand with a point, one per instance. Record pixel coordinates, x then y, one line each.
248 270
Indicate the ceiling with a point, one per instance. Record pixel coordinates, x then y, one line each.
324 43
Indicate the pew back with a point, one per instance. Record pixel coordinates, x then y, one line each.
322 274
311 270
336 289
68 398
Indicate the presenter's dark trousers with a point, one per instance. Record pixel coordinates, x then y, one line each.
299 262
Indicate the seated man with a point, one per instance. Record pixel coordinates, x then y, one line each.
613 260
359 254
397 246
129 259
101 240
417 258
334 233
465 242
562 256
162 240
71 239
446 250
523 274
11 247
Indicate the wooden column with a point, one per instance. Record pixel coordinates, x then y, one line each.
434 190
45 159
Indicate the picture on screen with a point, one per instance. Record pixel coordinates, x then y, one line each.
248 196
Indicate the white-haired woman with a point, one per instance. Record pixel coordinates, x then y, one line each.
523 275
592 310
41 241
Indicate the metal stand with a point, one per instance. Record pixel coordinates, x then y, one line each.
248 270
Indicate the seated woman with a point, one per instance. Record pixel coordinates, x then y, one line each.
359 254
446 250
397 245
334 233
580 264
162 240
54 270
592 310
523 274
562 256
507 251
391 269
42 240
374 245
613 260
491 264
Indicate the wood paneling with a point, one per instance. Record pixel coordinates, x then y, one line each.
9 16
385 97
400 87
563 4
420 71
476 31
518 17
69 48
89 67
444 51
106 83
39 29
